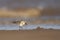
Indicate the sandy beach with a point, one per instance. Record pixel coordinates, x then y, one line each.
38 34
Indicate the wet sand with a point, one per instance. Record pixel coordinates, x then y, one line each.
38 34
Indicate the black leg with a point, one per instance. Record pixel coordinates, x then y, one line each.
20 27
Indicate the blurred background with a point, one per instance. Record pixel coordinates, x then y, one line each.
48 7
30 3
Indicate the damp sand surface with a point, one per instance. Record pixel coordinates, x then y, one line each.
38 34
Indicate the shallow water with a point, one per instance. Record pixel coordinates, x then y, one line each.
29 27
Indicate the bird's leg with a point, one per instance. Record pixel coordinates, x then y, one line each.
20 27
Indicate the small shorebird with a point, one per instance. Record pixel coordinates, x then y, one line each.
22 24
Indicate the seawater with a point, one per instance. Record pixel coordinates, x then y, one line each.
29 27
